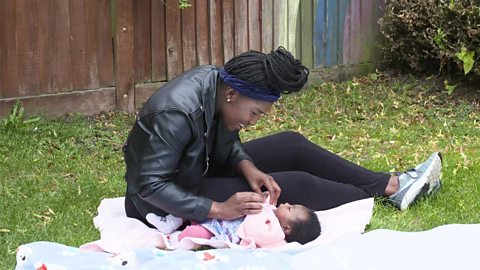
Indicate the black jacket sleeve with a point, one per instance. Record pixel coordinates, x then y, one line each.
166 135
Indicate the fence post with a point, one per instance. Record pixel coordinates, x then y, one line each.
124 55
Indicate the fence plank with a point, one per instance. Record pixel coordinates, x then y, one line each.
47 52
228 10
11 72
280 24
346 36
159 56
355 32
254 25
86 102
62 42
319 33
124 57
292 17
77 43
342 13
331 46
91 43
142 41
241 26
267 25
105 48
4 40
189 37
306 15
27 50
366 27
3 48
216 41
174 40
202 36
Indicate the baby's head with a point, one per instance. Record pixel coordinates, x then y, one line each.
299 223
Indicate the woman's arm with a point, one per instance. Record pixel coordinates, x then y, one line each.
160 141
258 179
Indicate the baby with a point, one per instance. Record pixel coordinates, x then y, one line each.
271 228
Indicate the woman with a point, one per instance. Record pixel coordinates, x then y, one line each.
184 157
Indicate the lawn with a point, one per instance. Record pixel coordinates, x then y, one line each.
54 172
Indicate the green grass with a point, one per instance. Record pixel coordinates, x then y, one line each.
54 172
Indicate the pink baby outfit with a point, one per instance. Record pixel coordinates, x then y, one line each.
263 229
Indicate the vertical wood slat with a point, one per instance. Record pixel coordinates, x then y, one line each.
216 36
280 24
47 51
202 35
91 43
367 30
331 47
77 42
62 46
346 35
228 9
306 15
11 72
254 25
241 26
189 38
26 36
267 25
105 48
292 11
142 39
3 48
159 57
173 39
342 13
354 32
319 33
124 56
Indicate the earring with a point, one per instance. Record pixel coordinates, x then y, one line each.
228 100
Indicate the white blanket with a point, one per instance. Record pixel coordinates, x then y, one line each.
118 233
453 246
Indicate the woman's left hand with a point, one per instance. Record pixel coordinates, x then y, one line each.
258 179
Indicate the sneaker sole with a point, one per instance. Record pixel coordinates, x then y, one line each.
431 175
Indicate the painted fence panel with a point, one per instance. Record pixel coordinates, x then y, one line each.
52 47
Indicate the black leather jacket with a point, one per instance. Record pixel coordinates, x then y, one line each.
166 150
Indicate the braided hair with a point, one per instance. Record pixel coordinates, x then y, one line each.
277 70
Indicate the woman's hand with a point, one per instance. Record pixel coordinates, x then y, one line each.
258 179
238 205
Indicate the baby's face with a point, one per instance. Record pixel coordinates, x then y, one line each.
287 213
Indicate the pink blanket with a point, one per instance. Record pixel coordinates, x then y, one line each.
118 233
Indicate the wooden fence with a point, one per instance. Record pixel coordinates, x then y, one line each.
59 56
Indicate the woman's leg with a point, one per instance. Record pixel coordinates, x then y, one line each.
290 151
297 188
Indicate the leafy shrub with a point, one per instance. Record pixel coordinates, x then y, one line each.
433 35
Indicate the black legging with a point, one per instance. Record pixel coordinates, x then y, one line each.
306 173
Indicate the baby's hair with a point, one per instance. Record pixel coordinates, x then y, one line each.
304 230
278 70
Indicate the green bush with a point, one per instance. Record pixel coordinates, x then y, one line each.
433 35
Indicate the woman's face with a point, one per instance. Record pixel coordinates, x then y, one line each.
239 111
